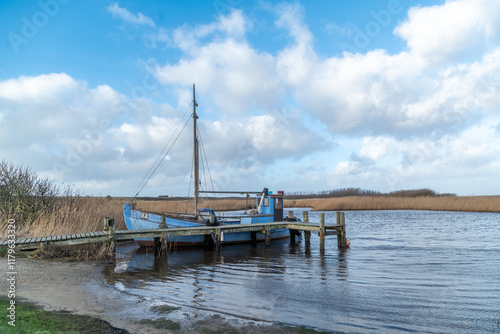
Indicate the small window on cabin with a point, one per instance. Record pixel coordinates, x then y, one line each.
266 201
278 203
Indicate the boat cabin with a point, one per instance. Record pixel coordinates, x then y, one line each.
272 204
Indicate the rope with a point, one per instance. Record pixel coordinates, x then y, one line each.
162 155
205 162
159 159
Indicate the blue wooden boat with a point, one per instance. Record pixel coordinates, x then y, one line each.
269 209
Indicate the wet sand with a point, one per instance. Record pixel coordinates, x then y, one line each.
81 288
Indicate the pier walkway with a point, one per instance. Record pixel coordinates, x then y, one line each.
161 236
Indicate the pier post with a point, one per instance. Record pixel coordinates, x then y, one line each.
292 232
218 238
253 236
161 242
163 223
268 235
322 231
207 241
164 243
341 236
110 222
307 234
157 246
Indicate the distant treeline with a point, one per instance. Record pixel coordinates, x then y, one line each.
348 192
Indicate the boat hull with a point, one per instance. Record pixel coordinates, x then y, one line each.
137 220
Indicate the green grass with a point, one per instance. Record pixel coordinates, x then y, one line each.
163 309
161 323
32 319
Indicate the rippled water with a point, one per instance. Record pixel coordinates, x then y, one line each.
406 271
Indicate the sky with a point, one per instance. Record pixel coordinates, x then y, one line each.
292 95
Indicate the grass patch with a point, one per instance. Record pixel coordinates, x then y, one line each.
31 319
161 323
3 251
86 252
465 203
305 330
223 330
164 309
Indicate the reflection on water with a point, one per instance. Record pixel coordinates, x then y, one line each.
406 271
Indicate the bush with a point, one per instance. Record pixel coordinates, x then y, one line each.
24 194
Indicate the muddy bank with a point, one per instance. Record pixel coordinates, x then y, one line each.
81 288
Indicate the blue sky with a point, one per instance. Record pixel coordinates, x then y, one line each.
299 96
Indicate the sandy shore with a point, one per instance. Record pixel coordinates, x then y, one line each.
81 288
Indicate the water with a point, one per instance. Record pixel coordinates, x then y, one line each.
406 271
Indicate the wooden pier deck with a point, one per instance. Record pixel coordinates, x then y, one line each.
161 236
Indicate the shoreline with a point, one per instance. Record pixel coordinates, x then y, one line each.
80 288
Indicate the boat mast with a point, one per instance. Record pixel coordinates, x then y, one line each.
196 160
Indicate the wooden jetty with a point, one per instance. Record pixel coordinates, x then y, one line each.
161 235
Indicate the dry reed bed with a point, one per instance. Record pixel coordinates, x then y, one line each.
468 204
83 215
86 215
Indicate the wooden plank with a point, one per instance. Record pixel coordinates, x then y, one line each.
341 237
268 236
265 228
322 231
307 237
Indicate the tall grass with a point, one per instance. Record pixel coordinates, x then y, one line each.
69 216
469 204
86 214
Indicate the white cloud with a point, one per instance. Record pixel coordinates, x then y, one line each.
425 114
127 16
377 147
83 135
447 162
236 77
41 88
402 94
441 32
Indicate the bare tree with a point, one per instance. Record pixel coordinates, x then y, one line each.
23 193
